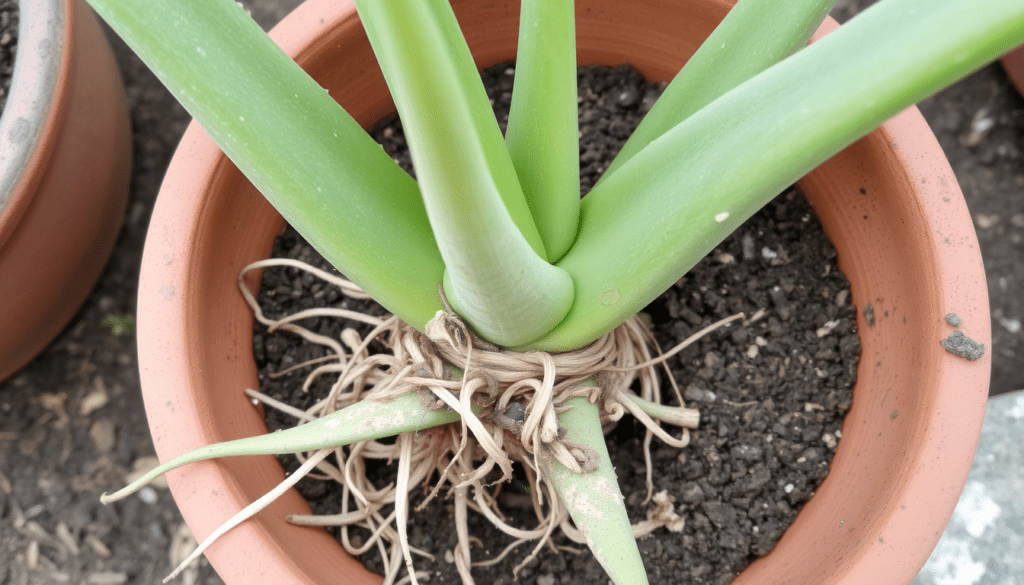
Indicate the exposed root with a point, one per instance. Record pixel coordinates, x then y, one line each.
521 394
663 514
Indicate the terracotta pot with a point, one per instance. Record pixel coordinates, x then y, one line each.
1013 63
64 171
889 202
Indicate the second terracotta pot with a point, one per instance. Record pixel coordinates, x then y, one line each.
64 171
889 202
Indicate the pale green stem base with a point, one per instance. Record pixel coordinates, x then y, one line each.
594 500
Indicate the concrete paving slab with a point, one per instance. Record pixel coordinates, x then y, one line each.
984 542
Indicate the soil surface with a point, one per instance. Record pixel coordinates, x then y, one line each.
772 393
8 46
61 444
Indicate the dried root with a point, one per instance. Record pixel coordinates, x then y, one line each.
508 402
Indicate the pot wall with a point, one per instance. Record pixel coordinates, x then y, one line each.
889 202
64 174
1013 63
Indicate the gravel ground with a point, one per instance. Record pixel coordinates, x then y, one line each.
72 422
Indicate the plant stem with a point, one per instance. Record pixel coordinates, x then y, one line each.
543 123
307 156
730 56
497 276
363 421
594 500
669 205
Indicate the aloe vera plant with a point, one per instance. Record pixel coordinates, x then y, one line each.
498 220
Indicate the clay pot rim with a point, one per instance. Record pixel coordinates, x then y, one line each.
921 525
37 90
1013 64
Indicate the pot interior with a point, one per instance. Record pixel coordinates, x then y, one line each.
895 215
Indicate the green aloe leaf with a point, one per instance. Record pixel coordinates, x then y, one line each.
670 204
543 123
497 276
363 421
594 500
307 156
731 55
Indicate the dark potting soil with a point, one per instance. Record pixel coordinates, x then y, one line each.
772 393
8 46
